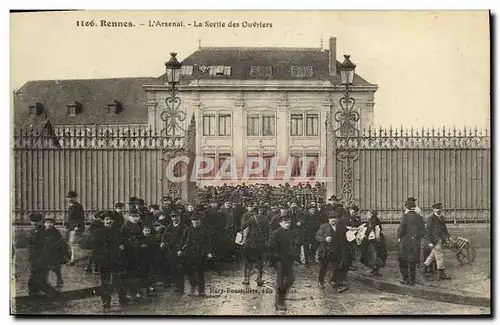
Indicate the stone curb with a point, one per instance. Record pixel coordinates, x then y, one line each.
63 296
420 291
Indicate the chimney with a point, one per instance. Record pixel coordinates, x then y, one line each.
332 64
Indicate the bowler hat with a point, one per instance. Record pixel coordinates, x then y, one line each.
140 201
333 198
49 218
174 213
36 217
285 217
437 206
71 194
411 198
119 205
167 198
132 199
410 204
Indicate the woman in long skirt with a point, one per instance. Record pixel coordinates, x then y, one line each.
373 248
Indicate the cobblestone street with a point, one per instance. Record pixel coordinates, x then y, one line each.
227 296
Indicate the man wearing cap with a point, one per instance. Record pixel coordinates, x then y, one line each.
255 246
118 219
333 251
55 249
437 235
75 223
131 232
411 230
282 255
170 242
37 282
196 250
312 221
166 205
107 251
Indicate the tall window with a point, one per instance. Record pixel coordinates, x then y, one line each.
312 121
296 122
209 124
268 127
295 165
224 124
312 165
268 158
203 164
222 159
253 125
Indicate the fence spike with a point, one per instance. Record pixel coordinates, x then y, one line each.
417 134
395 133
454 131
411 131
475 131
390 131
385 132
401 130
433 131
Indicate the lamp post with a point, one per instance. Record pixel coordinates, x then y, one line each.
346 136
173 116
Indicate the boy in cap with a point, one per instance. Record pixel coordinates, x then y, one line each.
118 219
282 255
37 282
148 255
437 235
75 223
333 250
94 226
196 248
107 251
55 249
170 242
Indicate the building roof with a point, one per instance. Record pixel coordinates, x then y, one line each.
280 58
94 95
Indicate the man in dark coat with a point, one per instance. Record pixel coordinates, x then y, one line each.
167 205
227 232
107 250
411 230
312 221
170 244
282 255
37 282
96 224
196 248
131 232
333 250
437 235
75 223
255 246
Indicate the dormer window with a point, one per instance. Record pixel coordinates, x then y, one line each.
186 70
219 70
261 71
302 71
36 109
74 108
114 107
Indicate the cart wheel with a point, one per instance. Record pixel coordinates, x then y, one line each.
466 255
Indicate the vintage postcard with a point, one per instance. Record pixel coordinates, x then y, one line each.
250 163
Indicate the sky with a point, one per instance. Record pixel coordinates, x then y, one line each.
432 67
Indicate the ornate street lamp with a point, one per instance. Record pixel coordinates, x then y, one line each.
173 115
346 136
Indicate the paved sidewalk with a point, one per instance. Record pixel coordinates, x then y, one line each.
470 283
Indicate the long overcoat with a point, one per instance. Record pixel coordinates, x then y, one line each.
410 233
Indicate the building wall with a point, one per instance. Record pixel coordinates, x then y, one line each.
240 103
